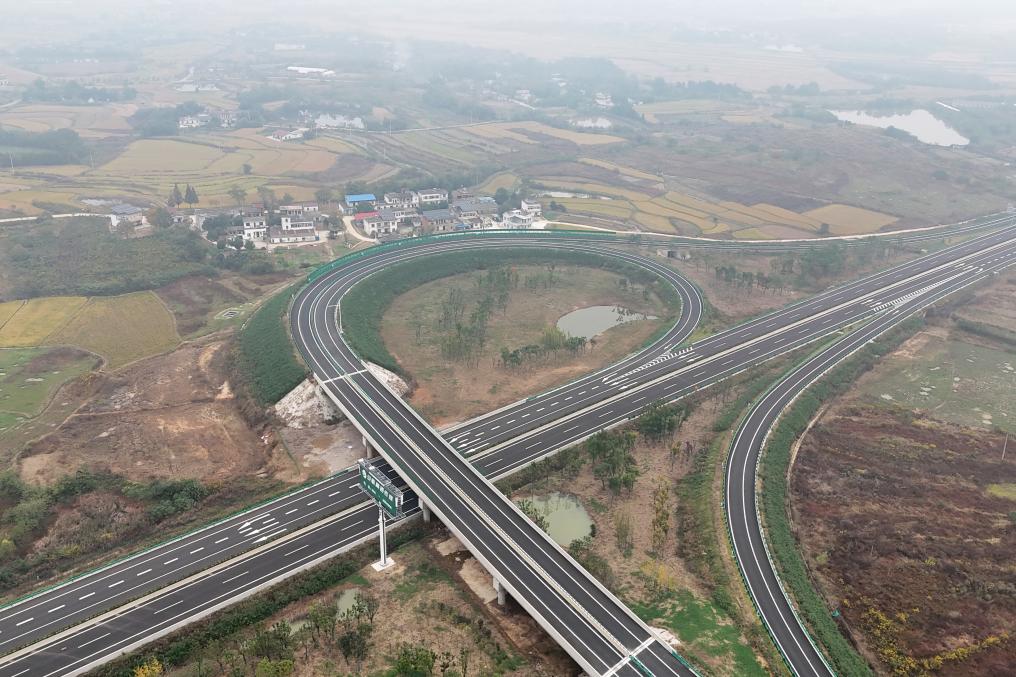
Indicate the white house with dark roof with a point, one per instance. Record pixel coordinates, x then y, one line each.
432 196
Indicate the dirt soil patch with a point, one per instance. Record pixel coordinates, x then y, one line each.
163 417
901 526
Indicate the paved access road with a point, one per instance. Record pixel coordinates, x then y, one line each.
741 506
500 460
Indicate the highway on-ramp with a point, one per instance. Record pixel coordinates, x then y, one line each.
623 391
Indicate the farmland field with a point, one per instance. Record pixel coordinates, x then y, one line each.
7 311
29 376
506 180
846 220
517 132
121 328
37 319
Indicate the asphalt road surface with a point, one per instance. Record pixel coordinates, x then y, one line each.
516 435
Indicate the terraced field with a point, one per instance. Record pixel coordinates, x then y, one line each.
640 202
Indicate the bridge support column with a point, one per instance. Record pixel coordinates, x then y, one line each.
369 450
502 594
425 509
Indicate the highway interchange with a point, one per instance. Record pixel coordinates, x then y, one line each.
599 632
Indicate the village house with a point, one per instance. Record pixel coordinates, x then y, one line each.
254 228
360 202
299 209
406 198
286 135
533 208
439 220
376 224
432 196
292 231
475 210
517 218
128 213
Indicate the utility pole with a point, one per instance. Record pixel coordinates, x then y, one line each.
1004 445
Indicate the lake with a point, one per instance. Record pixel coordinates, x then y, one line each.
588 322
921 123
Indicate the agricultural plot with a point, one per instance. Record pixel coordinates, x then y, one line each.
24 200
564 184
29 376
88 121
506 180
620 209
37 319
621 169
516 131
847 220
7 311
121 328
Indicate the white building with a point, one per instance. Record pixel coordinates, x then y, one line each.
380 223
255 228
406 198
432 196
534 208
292 231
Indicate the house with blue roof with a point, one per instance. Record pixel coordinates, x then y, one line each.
361 202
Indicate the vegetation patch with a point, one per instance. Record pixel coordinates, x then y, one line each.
364 305
264 358
81 257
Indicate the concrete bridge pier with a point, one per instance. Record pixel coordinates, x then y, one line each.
502 594
425 509
370 451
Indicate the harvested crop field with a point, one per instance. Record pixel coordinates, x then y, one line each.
847 220
37 319
121 328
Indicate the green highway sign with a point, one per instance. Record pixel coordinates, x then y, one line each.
375 484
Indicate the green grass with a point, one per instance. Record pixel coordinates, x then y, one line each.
265 360
24 393
703 628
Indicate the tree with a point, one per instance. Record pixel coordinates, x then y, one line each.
414 661
248 245
175 196
267 197
324 195
369 603
190 196
150 668
238 194
247 168
661 517
159 216
532 512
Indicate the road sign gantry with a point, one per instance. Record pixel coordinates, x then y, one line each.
389 499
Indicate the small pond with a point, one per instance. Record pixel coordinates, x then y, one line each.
921 123
567 517
346 599
594 320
